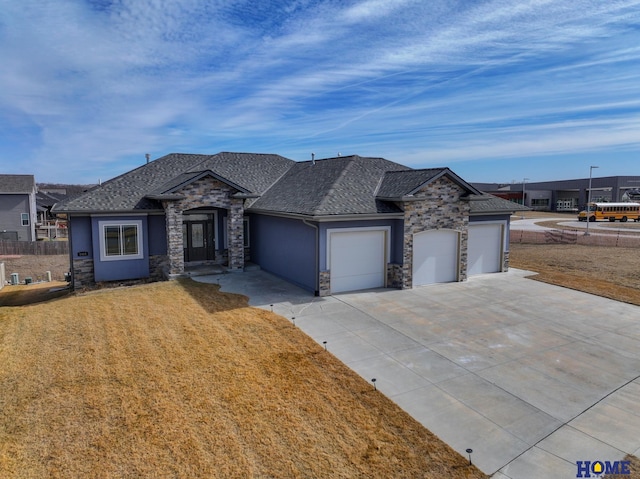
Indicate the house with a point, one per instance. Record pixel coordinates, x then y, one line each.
17 207
48 225
330 225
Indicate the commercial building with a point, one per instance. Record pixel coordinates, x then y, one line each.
566 195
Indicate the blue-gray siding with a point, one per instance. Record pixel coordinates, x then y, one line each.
285 247
80 237
157 238
122 269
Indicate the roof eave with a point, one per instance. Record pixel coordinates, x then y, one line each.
166 197
107 212
325 218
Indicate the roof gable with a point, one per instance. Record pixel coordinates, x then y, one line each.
396 185
170 190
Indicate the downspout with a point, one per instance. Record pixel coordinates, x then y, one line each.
317 258
72 270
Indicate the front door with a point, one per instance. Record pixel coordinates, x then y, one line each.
199 240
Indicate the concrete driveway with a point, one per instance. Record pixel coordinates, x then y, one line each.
531 376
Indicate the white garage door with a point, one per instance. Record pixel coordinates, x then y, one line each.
435 257
484 249
357 260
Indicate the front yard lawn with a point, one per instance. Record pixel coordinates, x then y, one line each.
176 379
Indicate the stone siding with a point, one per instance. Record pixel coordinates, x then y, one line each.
206 192
175 242
83 273
505 261
157 266
436 206
325 283
394 275
235 235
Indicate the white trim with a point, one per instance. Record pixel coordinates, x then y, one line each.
386 229
101 232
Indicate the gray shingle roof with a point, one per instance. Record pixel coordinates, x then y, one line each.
17 184
130 191
333 186
489 204
253 172
397 184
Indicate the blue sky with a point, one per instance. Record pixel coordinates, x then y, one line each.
496 90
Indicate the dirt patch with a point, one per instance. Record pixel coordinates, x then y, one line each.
22 295
36 266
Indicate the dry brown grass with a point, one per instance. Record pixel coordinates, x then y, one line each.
176 379
609 272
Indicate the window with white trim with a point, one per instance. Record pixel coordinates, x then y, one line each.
25 219
120 240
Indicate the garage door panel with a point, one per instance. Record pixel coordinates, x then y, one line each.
484 249
357 260
435 257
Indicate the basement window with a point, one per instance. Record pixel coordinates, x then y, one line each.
120 240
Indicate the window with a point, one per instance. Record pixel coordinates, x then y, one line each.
25 219
539 202
245 225
120 241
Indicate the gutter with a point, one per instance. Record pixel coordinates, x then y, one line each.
326 218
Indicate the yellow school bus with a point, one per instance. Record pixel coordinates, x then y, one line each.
611 212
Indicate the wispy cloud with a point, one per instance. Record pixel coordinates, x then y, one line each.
93 85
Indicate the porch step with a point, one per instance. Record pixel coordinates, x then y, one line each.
204 270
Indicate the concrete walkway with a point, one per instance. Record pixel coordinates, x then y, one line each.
531 376
531 224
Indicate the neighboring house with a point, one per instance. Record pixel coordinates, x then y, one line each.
17 207
331 225
48 226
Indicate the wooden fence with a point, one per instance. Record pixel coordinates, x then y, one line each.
552 236
20 248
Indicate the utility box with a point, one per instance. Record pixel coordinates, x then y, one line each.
15 279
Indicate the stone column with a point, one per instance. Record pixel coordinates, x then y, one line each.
406 274
175 245
235 235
